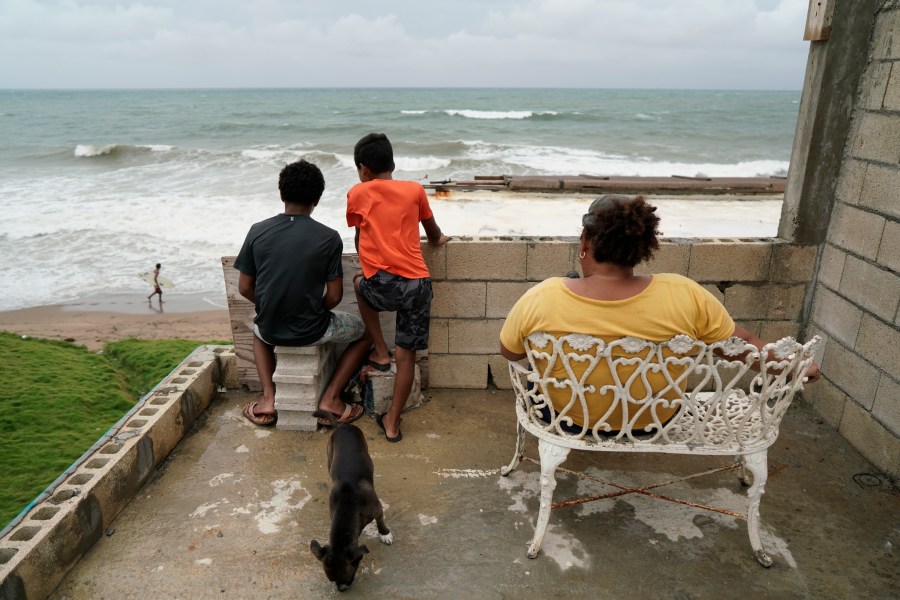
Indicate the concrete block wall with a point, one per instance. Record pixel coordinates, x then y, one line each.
762 282
856 297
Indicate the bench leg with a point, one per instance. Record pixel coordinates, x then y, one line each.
551 457
757 464
742 471
520 450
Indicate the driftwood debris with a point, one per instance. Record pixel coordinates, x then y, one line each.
586 183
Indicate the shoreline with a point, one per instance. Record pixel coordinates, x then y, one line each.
96 319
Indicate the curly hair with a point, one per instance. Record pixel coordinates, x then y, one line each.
301 182
622 230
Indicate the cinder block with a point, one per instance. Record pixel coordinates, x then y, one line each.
880 188
791 263
730 261
775 330
458 299
466 371
856 230
438 336
838 317
500 372
486 259
873 86
876 137
767 301
886 36
851 179
553 257
889 250
715 291
380 391
435 260
295 419
879 343
871 438
887 404
828 399
892 93
831 266
672 257
301 374
475 337
751 326
855 376
502 295
872 288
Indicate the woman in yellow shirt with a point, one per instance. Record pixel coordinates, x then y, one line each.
611 302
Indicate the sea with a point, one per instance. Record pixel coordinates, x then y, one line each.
98 186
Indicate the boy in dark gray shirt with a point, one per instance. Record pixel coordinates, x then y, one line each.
290 268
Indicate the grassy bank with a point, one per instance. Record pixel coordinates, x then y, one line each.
57 399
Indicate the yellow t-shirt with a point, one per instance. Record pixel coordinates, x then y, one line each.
670 305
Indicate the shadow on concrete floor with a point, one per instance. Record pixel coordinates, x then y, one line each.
232 511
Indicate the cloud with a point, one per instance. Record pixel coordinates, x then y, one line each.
547 43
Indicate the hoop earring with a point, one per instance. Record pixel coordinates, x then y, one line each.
582 255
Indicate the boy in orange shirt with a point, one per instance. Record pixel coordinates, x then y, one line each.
386 214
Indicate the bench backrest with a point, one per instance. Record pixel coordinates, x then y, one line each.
679 395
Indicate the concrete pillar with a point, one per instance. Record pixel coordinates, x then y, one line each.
833 72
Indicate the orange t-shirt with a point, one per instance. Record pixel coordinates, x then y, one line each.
387 213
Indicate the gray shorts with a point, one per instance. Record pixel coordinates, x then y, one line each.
410 298
343 329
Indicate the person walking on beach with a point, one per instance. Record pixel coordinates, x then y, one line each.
156 287
386 214
290 268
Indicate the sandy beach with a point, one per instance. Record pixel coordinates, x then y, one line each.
96 320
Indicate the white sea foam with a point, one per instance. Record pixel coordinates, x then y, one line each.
90 150
421 163
496 114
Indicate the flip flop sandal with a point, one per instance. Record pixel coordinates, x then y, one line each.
260 420
378 366
379 418
350 414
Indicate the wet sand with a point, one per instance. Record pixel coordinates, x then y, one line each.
102 318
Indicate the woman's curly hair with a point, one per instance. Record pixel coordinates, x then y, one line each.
622 230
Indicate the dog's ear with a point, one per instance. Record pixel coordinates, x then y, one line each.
317 550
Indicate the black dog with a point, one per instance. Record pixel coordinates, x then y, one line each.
353 503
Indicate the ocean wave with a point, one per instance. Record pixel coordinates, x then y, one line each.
421 163
498 114
554 160
94 151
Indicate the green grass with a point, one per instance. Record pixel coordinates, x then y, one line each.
57 399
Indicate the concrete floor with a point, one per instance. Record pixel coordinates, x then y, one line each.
232 511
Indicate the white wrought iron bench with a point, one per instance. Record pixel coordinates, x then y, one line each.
713 414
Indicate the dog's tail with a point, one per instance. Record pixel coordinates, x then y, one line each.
324 414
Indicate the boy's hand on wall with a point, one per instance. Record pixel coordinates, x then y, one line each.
440 241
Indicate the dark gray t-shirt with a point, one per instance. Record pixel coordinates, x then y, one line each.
291 257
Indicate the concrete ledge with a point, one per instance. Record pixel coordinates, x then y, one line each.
52 536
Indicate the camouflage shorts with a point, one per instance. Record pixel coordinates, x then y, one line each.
342 329
411 298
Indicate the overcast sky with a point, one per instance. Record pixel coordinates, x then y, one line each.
706 44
